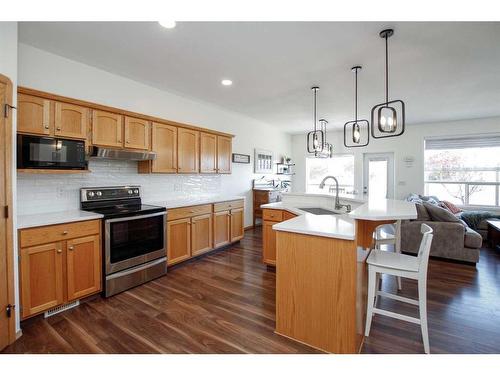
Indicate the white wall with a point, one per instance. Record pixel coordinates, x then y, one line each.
8 67
411 143
48 72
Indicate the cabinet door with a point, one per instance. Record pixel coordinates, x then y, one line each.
201 234
136 133
208 153
71 120
179 240
41 278
33 115
83 262
224 149
221 228
107 129
237 226
269 243
187 150
288 215
164 143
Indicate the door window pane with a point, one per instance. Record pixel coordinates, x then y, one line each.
377 178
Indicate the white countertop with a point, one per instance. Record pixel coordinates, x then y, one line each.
50 218
385 209
185 202
334 226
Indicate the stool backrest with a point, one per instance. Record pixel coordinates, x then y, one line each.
425 246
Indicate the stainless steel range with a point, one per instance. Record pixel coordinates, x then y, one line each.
134 236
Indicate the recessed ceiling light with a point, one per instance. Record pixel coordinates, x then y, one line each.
167 24
226 82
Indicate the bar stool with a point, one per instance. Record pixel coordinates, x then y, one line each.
396 264
389 234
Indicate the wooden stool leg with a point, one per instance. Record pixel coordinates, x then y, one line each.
422 304
371 299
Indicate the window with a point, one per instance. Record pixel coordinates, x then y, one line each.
465 171
339 166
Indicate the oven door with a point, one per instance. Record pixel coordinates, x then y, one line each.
134 240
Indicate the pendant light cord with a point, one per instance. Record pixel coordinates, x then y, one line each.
314 109
386 71
356 95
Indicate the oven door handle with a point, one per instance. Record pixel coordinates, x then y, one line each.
129 218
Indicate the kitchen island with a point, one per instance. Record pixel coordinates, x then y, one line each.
321 272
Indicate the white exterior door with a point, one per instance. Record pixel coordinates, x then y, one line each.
378 175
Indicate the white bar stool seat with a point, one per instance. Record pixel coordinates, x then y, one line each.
396 264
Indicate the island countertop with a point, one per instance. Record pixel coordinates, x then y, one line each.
385 209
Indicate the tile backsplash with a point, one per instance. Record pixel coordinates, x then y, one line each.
38 193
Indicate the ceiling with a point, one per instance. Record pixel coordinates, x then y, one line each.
442 70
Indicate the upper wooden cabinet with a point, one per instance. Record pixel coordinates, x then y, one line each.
187 150
224 150
136 133
107 129
208 153
164 143
71 120
33 115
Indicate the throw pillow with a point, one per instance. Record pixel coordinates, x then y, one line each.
450 206
440 214
422 214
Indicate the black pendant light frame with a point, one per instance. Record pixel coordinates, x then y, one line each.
316 134
387 105
356 123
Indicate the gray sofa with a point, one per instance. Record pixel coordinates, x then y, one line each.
453 239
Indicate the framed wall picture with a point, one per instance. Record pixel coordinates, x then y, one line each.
241 158
263 161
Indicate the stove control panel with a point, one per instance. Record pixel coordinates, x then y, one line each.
107 193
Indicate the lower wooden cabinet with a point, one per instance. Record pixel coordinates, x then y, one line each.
83 265
59 271
198 229
271 217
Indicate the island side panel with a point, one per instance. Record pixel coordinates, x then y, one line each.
316 291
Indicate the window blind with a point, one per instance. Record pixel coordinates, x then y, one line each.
459 143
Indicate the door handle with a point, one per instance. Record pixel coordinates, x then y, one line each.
70 248
59 251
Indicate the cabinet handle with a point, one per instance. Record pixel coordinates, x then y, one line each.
70 248
58 129
65 232
59 251
46 126
128 141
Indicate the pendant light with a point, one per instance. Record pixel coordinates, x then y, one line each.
315 138
327 149
388 118
354 131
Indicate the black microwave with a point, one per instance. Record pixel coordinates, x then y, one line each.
50 153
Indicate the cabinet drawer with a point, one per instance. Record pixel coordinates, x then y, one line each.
183 212
59 232
224 206
272 215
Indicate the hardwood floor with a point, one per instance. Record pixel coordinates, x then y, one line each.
224 303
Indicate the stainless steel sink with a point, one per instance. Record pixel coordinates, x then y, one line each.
318 211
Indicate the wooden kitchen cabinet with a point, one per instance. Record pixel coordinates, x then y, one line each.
107 129
71 120
41 272
33 115
58 263
201 234
164 143
260 197
187 150
224 150
83 265
222 226
237 224
179 240
136 133
271 217
208 153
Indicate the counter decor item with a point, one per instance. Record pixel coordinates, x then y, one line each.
263 162
241 158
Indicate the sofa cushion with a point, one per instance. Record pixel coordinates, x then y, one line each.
440 214
451 207
473 239
422 214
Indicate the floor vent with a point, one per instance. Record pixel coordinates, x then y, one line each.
60 309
